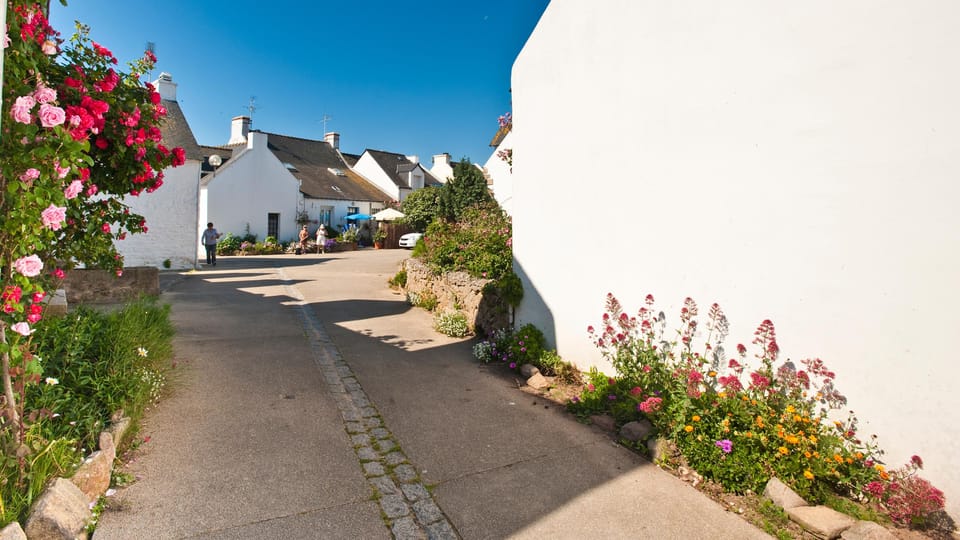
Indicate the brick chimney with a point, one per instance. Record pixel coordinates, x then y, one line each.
333 139
239 129
166 87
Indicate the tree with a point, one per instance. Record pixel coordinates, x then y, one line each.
467 188
77 135
421 207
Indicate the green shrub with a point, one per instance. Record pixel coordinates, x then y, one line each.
399 280
452 323
479 243
229 244
427 300
22 480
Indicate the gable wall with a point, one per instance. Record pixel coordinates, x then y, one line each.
245 190
371 170
795 162
171 215
499 171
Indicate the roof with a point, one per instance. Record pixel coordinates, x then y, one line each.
176 131
501 133
321 171
394 164
351 159
225 153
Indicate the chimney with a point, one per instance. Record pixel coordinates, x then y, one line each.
239 129
414 159
441 159
333 139
166 87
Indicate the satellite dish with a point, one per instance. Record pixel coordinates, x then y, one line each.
215 161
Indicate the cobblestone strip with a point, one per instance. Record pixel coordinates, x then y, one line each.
406 505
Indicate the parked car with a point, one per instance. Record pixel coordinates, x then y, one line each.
410 239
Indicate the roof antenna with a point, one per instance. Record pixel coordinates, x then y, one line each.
252 107
325 119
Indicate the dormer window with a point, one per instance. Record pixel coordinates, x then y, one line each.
290 167
338 172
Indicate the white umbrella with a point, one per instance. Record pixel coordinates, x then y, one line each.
388 214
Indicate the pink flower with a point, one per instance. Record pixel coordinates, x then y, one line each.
44 94
29 266
49 48
21 109
59 273
105 228
51 115
650 405
53 217
61 171
38 297
21 328
92 190
30 175
73 189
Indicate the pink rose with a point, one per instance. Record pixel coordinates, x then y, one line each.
21 328
21 109
59 273
44 94
30 175
51 115
49 48
53 217
73 189
61 171
29 266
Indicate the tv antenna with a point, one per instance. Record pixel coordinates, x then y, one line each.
325 119
252 107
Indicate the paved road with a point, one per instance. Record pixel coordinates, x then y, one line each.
314 402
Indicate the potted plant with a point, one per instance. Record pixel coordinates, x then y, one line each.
379 238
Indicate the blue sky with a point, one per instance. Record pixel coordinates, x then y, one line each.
421 77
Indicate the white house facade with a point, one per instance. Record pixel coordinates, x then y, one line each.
500 174
395 174
791 162
252 192
170 211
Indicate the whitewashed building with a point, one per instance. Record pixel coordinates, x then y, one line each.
442 168
499 172
269 185
790 161
171 210
395 174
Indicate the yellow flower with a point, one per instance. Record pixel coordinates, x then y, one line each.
721 394
849 461
816 454
688 428
807 474
790 409
797 418
783 450
753 402
859 455
712 373
792 439
696 418
879 467
813 438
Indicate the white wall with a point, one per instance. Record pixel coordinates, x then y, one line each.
171 216
499 171
789 160
248 187
371 170
339 211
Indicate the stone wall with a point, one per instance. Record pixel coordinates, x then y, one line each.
87 286
458 291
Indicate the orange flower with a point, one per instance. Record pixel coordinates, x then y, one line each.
884 475
792 439
807 454
807 474
759 421
696 418
838 458
783 450
797 418
688 428
859 455
712 373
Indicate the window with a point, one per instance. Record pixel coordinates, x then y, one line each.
273 225
351 210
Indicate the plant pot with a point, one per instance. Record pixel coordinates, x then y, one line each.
377 245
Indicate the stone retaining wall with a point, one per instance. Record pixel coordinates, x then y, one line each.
88 286
458 291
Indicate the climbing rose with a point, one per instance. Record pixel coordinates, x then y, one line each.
45 94
21 109
29 266
53 216
51 115
73 189
21 328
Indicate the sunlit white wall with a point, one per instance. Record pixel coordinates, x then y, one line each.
795 161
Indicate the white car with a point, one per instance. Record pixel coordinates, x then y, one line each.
410 239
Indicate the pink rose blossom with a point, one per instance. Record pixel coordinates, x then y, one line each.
49 48
29 266
59 273
21 328
30 175
45 94
21 109
73 189
53 217
61 171
51 115
92 190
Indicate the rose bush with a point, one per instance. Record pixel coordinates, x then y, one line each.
76 135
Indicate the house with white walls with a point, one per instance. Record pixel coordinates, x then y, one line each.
171 210
789 162
269 184
498 171
395 174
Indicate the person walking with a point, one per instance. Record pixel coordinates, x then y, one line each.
303 240
321 239
209 241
